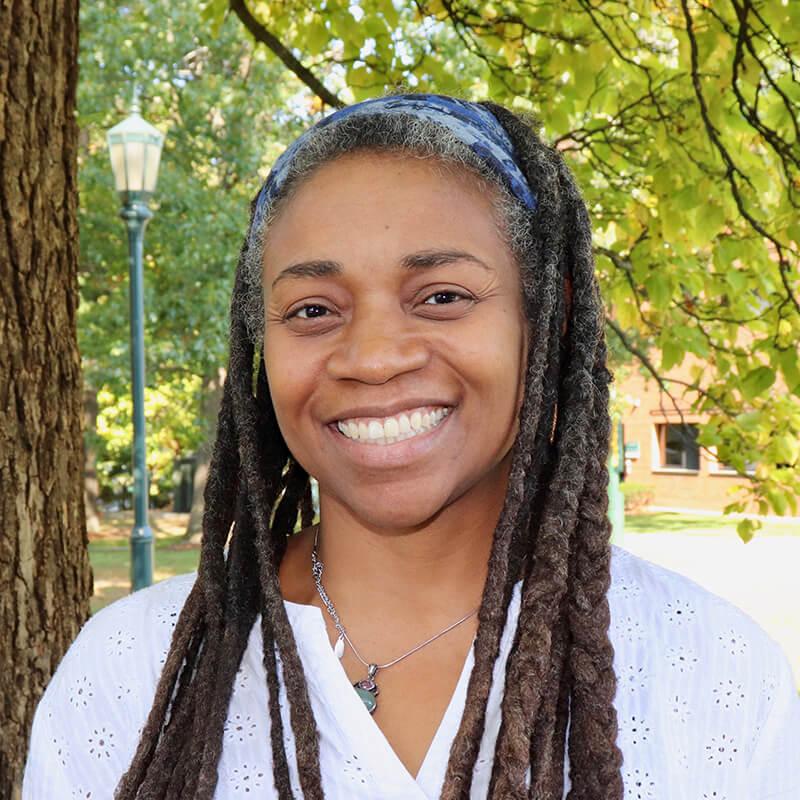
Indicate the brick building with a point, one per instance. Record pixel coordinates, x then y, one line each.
661 454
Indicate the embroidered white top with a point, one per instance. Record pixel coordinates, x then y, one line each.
706 702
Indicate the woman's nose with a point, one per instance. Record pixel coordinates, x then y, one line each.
376 346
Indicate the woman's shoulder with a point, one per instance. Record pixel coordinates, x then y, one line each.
700 683
88 722
700 644
121 649
133 632
158 606
671 599
678 607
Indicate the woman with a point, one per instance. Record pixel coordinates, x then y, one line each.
416 298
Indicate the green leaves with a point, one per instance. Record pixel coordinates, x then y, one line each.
691 195
216 97
756 382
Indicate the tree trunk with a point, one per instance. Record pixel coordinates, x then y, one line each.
211 401
45 578
91 486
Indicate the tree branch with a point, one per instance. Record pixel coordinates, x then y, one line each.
265 37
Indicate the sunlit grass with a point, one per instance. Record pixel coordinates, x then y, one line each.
666 522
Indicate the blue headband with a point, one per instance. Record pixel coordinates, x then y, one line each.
473 124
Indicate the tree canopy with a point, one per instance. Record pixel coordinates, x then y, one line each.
225 108
680 120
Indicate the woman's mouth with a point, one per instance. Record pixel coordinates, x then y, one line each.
397 428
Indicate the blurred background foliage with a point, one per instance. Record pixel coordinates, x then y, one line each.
680 120
227 108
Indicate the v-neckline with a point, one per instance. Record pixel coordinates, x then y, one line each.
357 726
365 734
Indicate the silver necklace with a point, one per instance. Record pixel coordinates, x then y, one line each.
366 688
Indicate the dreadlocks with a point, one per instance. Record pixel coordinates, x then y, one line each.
553 531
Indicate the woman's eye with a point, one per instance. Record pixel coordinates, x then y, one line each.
313 311
446 297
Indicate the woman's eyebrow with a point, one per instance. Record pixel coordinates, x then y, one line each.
423 259
310 269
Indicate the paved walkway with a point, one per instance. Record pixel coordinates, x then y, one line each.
761 577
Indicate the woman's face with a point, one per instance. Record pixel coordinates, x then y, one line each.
393 307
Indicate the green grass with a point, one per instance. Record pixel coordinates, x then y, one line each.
111 563
667 522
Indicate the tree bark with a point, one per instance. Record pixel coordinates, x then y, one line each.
212 399
45 577
91 485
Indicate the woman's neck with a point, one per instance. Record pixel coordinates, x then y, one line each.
428 574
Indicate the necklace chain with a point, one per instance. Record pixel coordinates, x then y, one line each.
316 571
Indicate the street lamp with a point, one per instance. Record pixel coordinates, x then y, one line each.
135 148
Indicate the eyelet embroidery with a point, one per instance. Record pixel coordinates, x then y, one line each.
639 785
732 642
120 643
241 681
167 615
680 612
728 694
247 778
353 769
721 750
680 709
239 728
81 693
633 678
60 748
101 743
681 658
634 730
630 629
624 590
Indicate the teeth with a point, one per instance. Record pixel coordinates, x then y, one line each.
392 429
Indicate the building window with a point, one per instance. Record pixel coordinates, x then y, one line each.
721 468
677 447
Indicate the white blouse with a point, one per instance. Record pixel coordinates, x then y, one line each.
706 702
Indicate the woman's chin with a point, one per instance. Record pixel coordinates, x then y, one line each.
392 514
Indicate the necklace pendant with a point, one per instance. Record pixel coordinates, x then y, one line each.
368 690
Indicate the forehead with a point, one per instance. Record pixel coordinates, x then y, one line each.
390 202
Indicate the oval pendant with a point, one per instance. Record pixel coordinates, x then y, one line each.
367 698
338 648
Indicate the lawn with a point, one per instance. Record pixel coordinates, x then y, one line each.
703 525
109 552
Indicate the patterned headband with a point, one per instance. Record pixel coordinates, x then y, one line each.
473 124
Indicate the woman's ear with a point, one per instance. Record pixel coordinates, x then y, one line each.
567 302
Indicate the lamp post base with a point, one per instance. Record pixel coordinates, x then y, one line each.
141 557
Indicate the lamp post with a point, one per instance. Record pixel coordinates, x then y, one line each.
135 149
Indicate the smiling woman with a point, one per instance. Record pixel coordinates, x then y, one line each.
415 324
